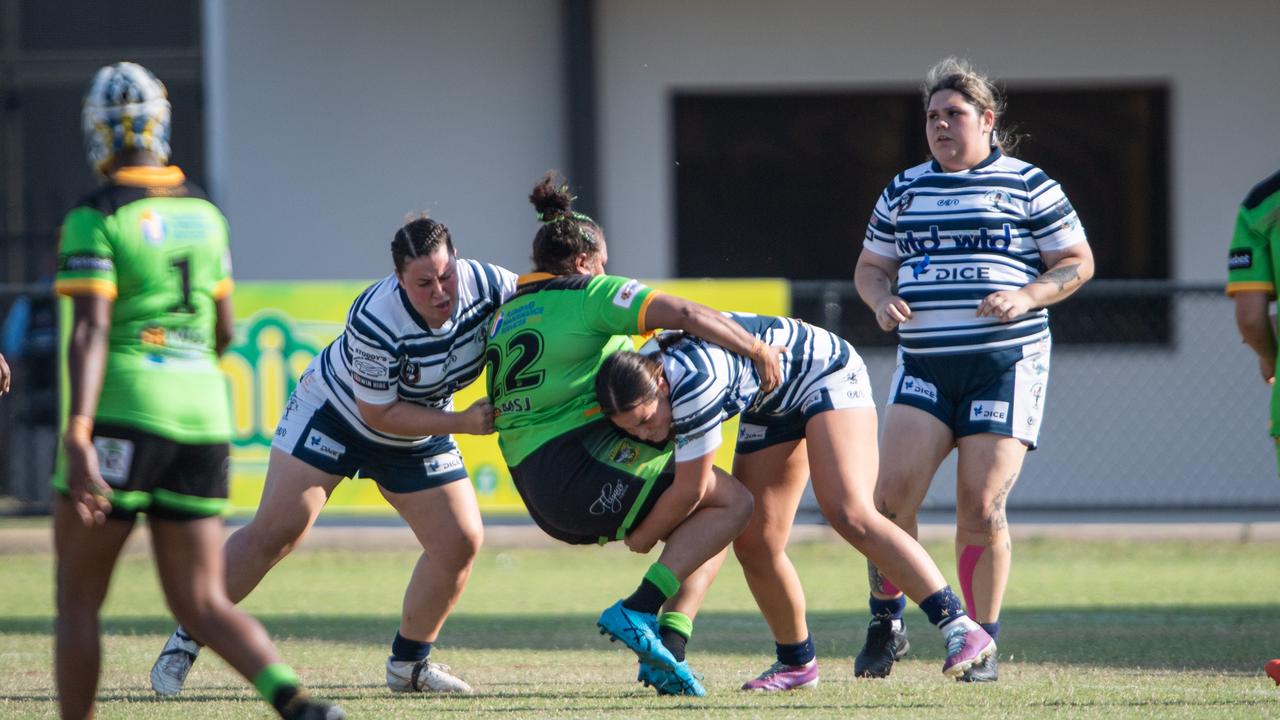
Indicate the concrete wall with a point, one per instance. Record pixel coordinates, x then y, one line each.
1219 59
329 120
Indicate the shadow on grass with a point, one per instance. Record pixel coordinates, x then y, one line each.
1234 639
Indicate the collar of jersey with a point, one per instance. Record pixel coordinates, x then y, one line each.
534 277
149 176
994 156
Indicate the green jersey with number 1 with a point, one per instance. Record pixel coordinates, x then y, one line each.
545 346
157 248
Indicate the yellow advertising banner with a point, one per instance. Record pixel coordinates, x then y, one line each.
281 326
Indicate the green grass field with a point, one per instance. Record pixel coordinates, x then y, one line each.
1091 629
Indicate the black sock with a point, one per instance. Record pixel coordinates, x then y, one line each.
646 599
795 654
404 649
674 641
283 696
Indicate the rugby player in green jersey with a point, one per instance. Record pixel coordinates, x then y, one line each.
1253 272
145 260
582 480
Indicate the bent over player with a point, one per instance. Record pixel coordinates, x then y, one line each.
582 480
819 423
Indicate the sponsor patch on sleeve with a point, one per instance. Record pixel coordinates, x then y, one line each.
92 263
370 369
627 294
1240 259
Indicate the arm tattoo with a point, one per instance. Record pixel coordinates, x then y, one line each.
1060 276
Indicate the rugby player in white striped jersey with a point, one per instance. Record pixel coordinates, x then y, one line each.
978 244
378 403
820 423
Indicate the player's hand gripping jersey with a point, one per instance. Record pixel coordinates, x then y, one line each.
961 236
545 346
153 244
709 385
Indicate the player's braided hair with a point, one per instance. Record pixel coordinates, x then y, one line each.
564 234
421 236
627 379
952 73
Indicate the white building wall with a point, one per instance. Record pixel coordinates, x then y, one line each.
1219 59
330 120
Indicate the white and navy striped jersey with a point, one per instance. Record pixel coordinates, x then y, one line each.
389 353
710 384
961 236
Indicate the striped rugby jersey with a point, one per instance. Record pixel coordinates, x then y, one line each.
959 237
389 353
710 384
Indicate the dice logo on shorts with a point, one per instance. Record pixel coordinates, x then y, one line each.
750 432
322 444
920 388
993 410
443 463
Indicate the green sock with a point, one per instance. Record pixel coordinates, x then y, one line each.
277 683
661 575
678 622
659 583
675 629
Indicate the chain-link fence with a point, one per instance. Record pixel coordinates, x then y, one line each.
1153 402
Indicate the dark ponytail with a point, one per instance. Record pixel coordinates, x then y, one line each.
564 234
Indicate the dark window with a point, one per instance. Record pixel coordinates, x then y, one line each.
97 25
43 79
781 184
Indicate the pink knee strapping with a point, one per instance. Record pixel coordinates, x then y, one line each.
968 564
887 587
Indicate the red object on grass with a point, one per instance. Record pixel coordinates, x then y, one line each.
1273 670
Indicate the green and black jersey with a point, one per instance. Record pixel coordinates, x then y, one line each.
153 244
1254 261
544 348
